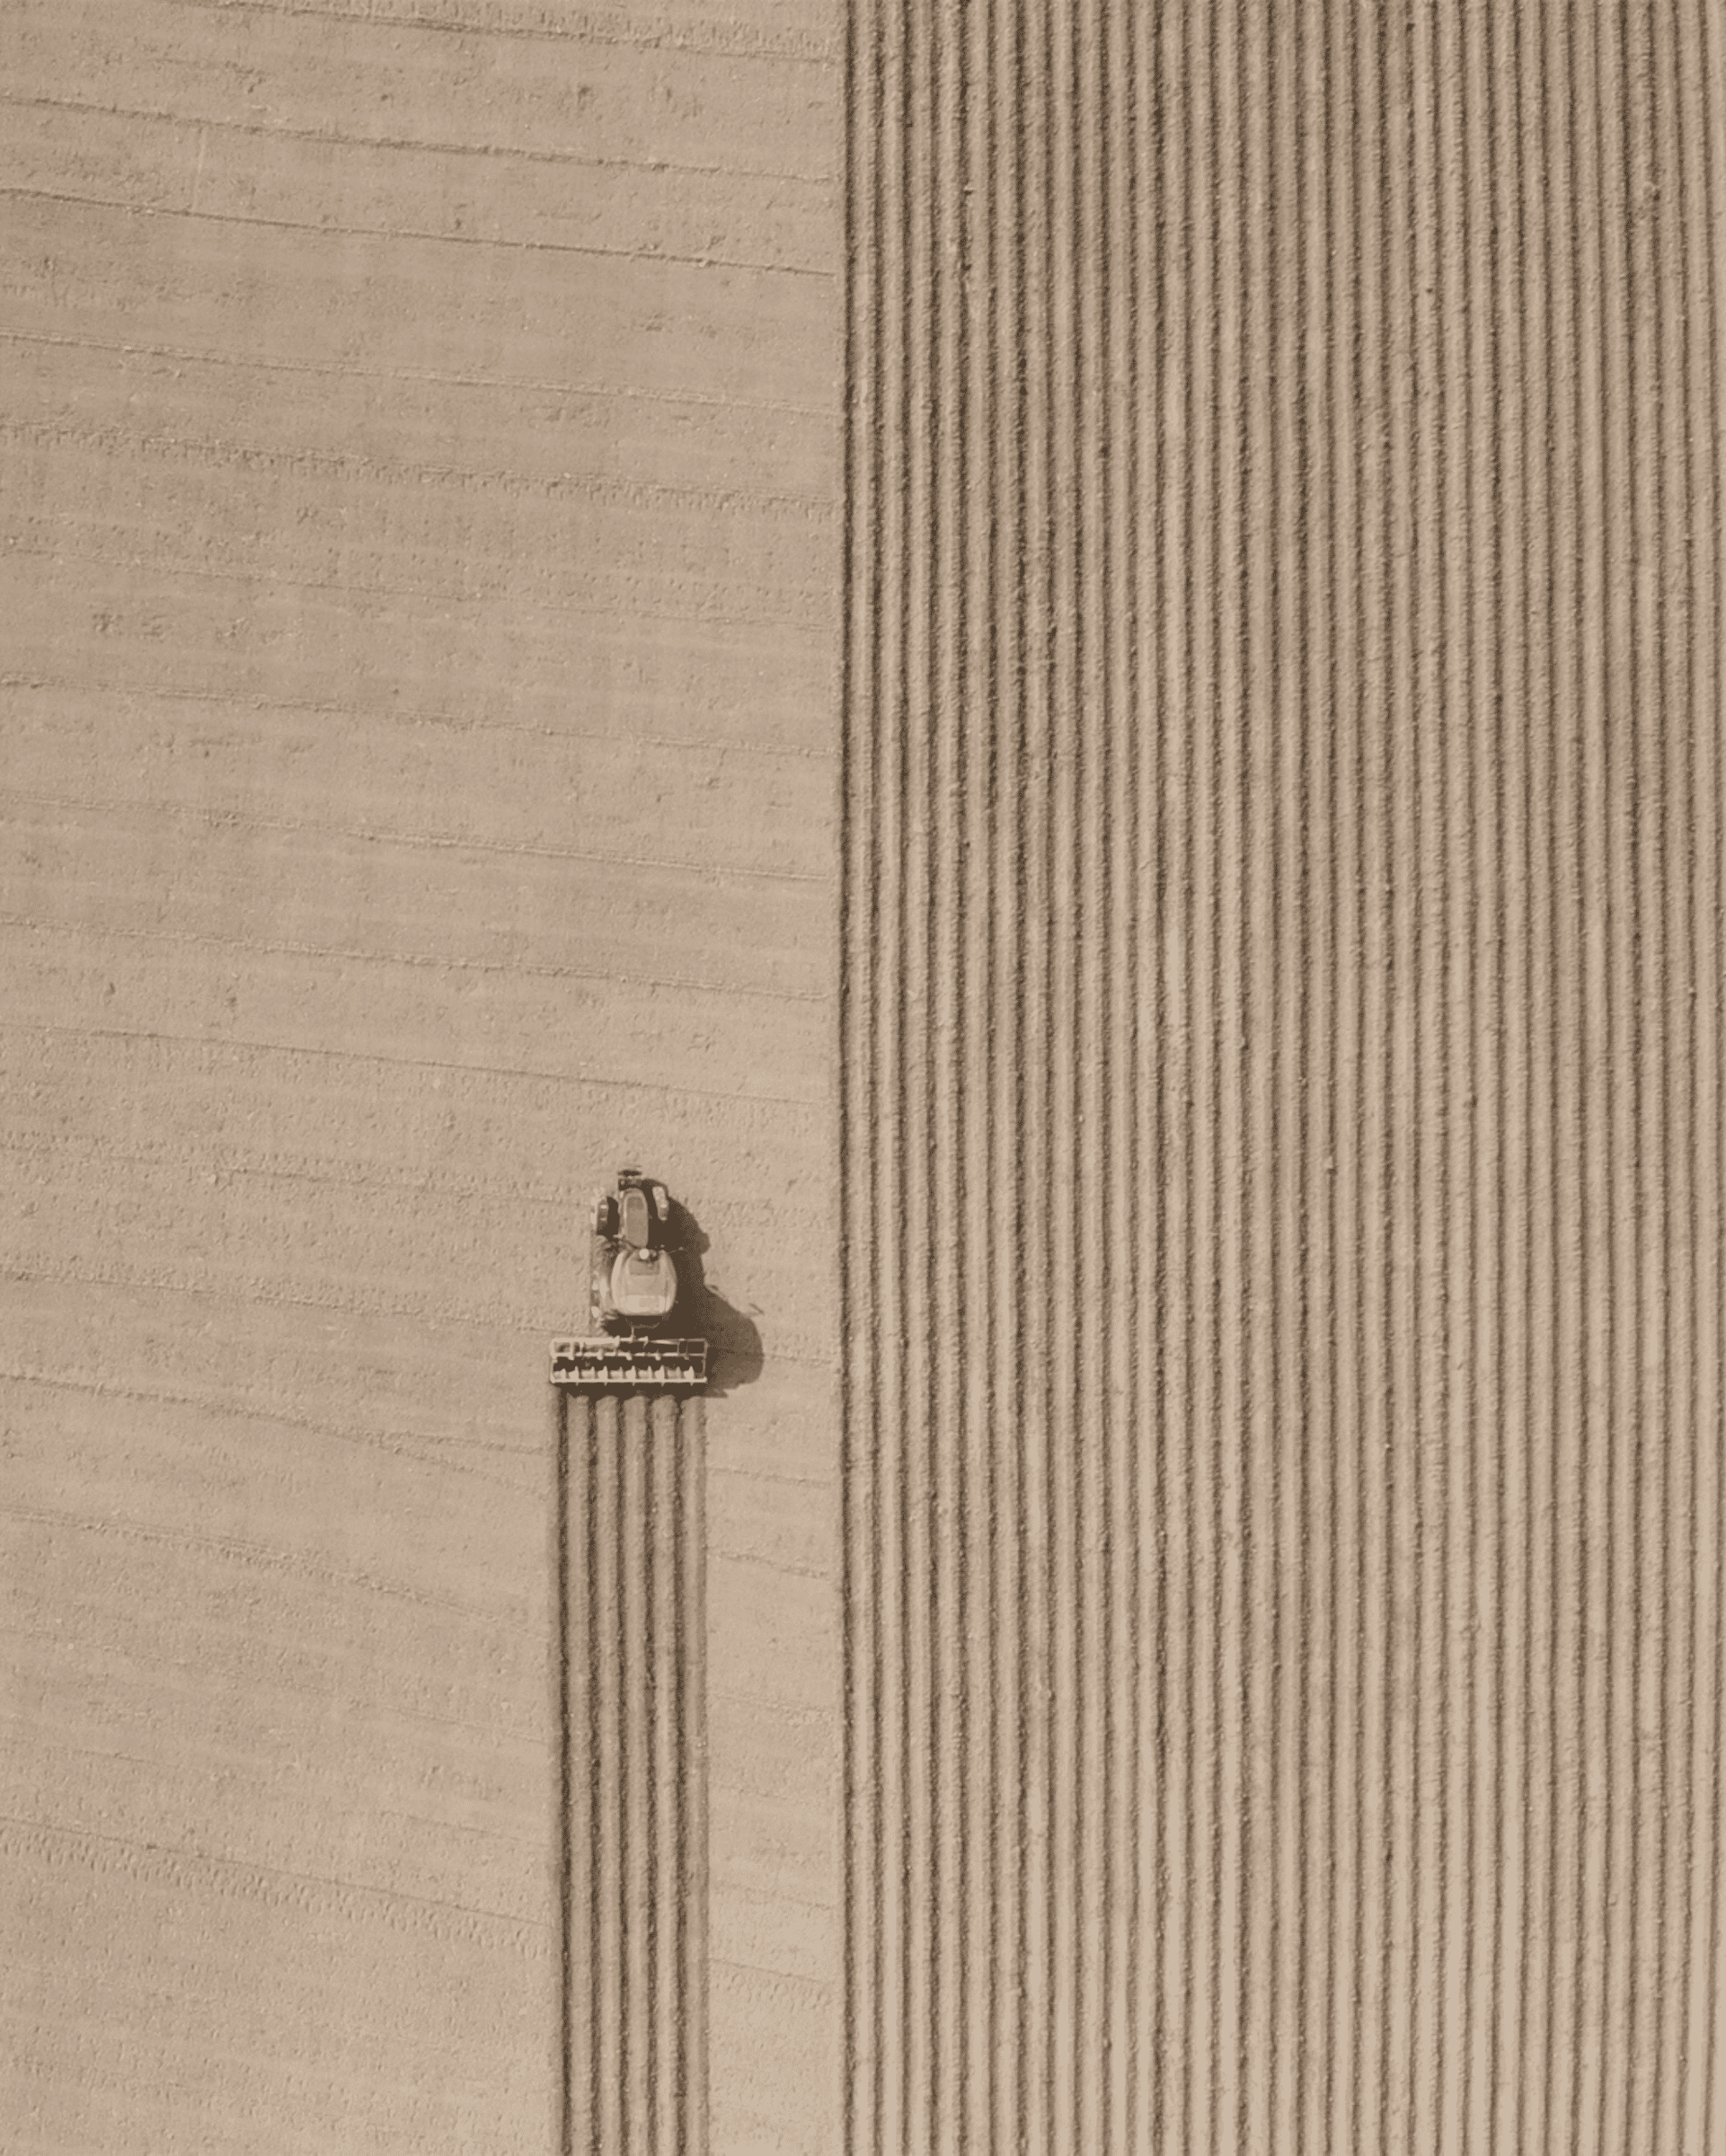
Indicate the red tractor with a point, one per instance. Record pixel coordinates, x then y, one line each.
635 1298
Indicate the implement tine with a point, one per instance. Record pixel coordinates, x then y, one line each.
603 1364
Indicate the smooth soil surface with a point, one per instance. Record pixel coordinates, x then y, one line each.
420 583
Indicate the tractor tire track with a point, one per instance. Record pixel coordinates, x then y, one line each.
631 1790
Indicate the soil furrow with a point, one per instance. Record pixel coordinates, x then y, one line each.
1280 908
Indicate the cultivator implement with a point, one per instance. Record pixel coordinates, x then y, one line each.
605 1364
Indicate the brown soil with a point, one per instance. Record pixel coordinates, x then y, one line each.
1282 1048
420 595
1236 1664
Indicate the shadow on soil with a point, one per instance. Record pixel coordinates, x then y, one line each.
734 1353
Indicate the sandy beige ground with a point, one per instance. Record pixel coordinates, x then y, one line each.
1276 1066
1283 1112
419 593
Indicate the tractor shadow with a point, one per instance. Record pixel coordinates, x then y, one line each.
734 1351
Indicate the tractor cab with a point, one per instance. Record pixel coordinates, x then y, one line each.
643 1285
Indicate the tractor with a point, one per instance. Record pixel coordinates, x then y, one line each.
637 1299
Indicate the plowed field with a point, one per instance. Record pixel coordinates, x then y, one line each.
1282 1079
1066 661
